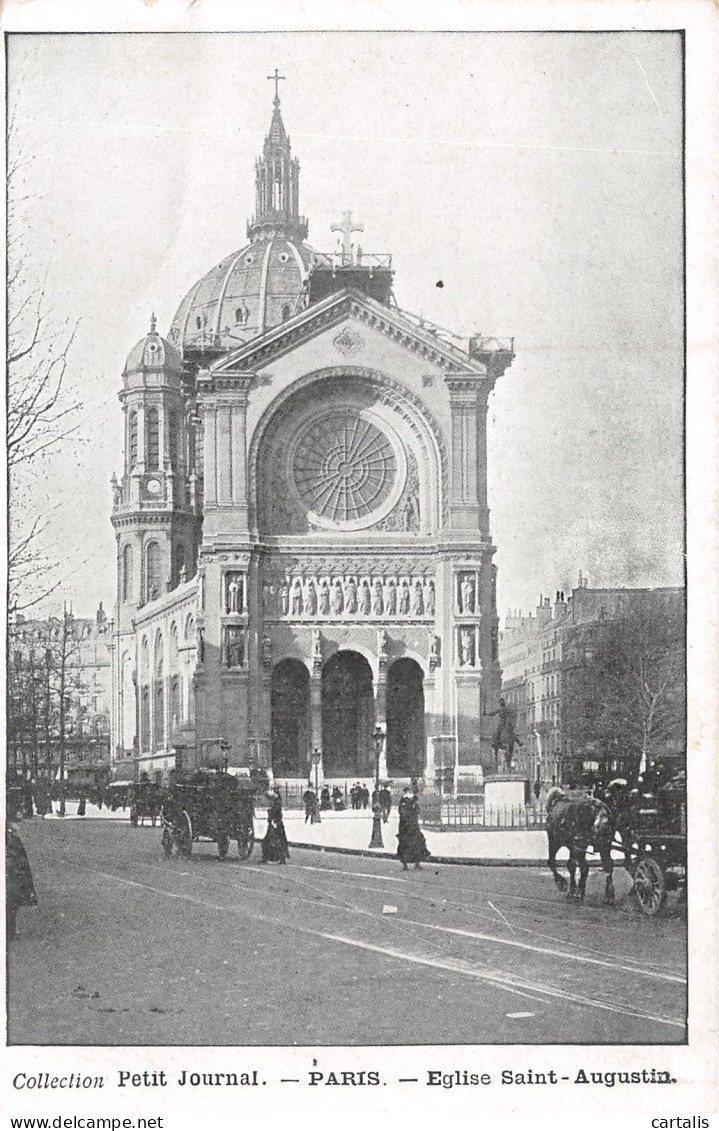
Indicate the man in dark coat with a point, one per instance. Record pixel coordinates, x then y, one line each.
274 844
19 885
385 800
411 847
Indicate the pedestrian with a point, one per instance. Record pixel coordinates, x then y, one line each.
325 802
81 805
19 884
310 799
376 838
337 799
411 847
42 799
365 797
274 844
27 799
385 800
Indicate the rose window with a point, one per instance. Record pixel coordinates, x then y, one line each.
345 468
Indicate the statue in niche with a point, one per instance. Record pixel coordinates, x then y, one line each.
324 599
350 595
296 598
466 647
365 599
316 645
183 574
267 599
404 599
435 655
417 599
336 598
310 599
377 599
410 514
466 594
284 599
382 643
266 652
390 598
429 599
234 647
234 593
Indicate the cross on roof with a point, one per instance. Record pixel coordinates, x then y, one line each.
277 78
347 228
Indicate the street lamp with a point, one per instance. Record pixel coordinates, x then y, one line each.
378 740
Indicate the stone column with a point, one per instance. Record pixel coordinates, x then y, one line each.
316 723
380 703
464 502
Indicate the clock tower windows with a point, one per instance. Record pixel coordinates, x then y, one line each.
132 440
152 439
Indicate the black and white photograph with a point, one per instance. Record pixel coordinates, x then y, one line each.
346 697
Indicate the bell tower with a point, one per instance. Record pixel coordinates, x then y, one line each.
156 511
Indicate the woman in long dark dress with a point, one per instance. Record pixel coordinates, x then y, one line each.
274 844
412 847
19 885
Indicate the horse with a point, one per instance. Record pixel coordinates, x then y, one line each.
504 739
575 823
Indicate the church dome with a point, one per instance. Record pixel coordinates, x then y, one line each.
153 352
249 292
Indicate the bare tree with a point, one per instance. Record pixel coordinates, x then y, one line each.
40 411
626 697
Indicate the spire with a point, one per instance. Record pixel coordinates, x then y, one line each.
277 175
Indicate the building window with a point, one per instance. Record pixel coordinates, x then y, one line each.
127 573
152 571
132 440
173 438
153 439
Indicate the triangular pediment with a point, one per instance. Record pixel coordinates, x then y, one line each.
343 307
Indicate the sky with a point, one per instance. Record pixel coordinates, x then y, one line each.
537 175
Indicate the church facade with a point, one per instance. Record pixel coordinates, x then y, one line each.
305 567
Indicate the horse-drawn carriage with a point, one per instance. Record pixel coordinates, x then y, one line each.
656 844
652 828
209 805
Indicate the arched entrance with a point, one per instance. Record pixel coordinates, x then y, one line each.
405 719
347 716
290 733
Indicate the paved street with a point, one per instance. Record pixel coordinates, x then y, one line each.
129 948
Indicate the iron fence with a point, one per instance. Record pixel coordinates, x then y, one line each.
448 813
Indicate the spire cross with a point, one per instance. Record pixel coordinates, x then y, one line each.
277 78
347 228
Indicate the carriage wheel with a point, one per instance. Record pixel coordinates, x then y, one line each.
167 842
223 845
245 844
183 833
650 886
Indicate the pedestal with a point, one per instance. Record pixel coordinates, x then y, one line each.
505 791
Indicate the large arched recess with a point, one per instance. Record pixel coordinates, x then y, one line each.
405 719
348 716
404 411
290 706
